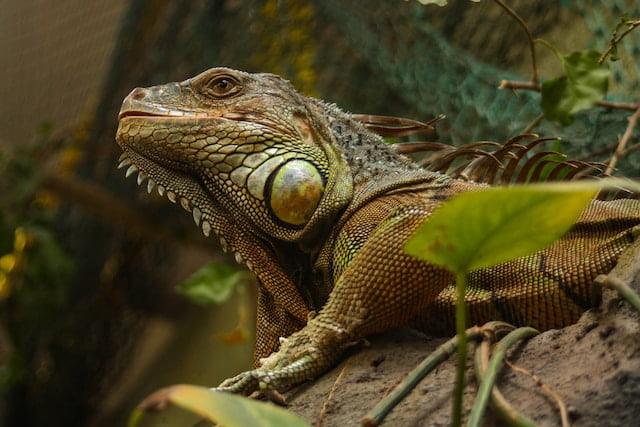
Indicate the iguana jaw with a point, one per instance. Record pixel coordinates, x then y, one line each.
168 175
177 186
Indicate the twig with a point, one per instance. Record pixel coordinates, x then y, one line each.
622 143
514 14
509 84
598 154
103 205
634 147
619 105
325 404
564 414
533 124
614 42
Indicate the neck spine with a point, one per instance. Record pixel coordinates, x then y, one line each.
368 155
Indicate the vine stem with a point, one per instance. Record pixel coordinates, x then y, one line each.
461 326
490 375
442 353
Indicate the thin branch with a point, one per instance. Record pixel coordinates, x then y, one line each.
633 148
325 404
514 14
614 42
622 143
508 84
514 85
619 105
533 124
562 407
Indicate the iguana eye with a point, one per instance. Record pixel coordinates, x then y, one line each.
222 86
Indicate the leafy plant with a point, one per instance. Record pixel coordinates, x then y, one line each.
213 283
34 265
482 228
584 84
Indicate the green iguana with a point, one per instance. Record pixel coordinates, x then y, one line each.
319 208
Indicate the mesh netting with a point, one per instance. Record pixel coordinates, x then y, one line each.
406 59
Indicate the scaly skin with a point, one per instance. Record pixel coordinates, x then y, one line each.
319 209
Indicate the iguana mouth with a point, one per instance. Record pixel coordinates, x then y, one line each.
137 113
178 114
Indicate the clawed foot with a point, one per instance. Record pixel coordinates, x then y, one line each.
303 356
268 381
247 381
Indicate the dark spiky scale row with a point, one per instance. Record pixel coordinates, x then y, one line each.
319 208
493 163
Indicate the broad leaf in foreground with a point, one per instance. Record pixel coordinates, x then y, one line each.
219 407
482 228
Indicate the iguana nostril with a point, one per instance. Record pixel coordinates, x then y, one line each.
139 93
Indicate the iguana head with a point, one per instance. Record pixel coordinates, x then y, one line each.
237 145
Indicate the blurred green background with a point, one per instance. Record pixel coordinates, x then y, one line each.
90 319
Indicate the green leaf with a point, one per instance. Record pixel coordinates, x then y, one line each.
213 284
482 228
219 407
584 84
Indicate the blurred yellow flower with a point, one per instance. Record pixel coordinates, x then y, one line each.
7 263
20 240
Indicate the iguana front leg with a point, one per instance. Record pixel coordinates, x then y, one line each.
373 294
